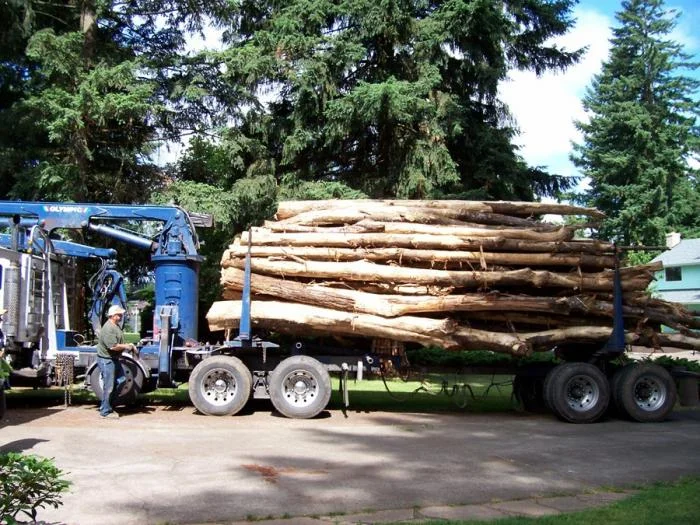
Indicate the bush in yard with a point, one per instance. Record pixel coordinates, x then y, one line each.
5 369
27 484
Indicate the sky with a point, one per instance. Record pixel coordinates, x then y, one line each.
546 107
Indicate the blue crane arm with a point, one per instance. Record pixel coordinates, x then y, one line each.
177 236
67 248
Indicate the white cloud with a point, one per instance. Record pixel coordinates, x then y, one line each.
209 39
685 33
546 107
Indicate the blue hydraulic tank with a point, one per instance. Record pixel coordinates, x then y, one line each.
177 284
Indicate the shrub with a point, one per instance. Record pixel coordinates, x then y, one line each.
677 362
433 356
27 484
5 368
131 337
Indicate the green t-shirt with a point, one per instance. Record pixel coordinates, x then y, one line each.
110 335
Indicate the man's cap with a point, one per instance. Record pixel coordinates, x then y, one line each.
114 310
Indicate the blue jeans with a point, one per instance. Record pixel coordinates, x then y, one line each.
112 376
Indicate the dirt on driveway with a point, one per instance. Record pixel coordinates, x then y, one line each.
159 464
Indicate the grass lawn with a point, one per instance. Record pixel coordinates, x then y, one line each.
436 393
660 504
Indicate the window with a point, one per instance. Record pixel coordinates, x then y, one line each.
674 274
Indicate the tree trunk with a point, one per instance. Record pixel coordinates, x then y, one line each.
342 216
418 271
264 237
403 256
304 319
370 272
397 305
534 233
287 209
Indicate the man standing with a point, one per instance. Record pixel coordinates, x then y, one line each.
110 345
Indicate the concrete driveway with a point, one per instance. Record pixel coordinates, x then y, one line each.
171 465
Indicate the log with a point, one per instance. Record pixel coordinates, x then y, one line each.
264 237
395 289
393 305
343 216
370 272
397 305
431 257
287 209
304 319
359 227
499 321
534 233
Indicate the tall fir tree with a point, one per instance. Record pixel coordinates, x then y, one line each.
642 131
388 97
88 88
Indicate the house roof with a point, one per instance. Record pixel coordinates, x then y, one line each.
682 254
680 296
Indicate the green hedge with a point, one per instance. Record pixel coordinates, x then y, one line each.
131 337
437 357
432 356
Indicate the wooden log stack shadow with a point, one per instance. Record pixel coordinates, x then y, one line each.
456 274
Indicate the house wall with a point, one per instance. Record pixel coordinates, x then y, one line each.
690 280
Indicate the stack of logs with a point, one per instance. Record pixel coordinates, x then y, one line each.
456 274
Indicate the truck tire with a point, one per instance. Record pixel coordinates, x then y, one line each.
528 386
577 392
128 390
644 392
300 387
546 387
616 408
220 385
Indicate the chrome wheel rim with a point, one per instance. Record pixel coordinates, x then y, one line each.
300 388
219 387
649 393
582 393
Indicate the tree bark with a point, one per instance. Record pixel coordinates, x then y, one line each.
398 305
303 319
534 233
402 256
370 272
418 271
264 237
352 215
287 209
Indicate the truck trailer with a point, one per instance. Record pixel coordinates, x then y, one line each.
38 274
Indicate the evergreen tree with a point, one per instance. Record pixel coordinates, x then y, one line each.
642 131
389 97
88 88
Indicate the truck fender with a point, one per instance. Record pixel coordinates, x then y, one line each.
144 369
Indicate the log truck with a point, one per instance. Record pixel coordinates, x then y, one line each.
36 275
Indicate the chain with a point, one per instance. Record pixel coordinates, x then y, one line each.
65 374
